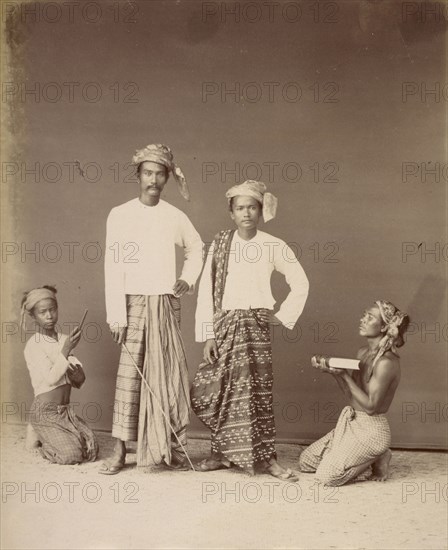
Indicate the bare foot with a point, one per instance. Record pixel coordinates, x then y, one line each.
31 442
380 468
212 463
285 474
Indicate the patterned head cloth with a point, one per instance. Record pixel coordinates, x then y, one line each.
34 296
393 318
162 154
257 190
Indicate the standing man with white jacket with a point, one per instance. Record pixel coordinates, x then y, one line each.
143 312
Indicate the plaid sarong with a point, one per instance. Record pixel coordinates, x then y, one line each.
65 438
233 396
357 439
154 340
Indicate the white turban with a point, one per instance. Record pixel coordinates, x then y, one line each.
163 155
34 296
257 190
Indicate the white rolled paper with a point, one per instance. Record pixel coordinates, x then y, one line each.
341 363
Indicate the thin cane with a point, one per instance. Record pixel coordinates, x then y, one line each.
159 405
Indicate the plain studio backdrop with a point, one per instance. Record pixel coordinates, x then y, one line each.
337 106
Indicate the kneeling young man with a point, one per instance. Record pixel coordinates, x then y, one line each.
55 430
362 436
232 390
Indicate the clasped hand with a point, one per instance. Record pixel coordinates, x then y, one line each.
118 333
180 288
71 341
320 362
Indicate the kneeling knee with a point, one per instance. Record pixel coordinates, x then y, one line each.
307 462
331 477
74 456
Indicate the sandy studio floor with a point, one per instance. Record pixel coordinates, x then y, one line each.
51 506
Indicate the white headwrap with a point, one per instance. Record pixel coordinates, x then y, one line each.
34 296
163 155
257 190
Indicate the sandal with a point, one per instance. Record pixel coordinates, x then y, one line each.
109 469
212 464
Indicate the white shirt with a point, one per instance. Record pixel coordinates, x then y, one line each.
248 282
140 253
46 364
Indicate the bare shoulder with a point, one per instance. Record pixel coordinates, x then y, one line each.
388 365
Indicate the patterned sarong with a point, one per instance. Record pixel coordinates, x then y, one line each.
358 439
233 396
154 340
65 438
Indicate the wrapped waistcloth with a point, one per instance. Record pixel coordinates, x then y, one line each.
357 439
155 343
65 438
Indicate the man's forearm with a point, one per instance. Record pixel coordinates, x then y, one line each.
360 395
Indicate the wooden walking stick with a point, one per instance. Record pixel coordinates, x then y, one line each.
159 405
